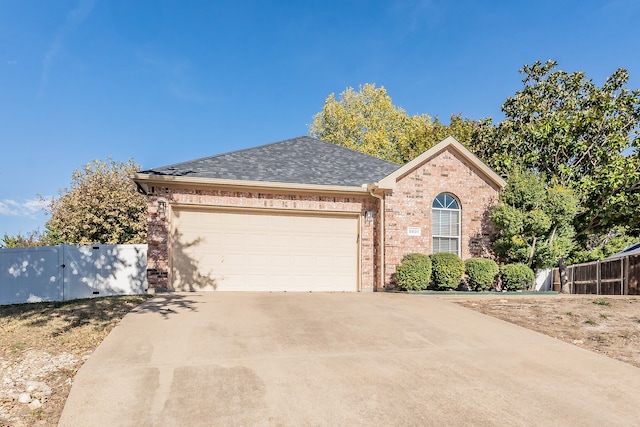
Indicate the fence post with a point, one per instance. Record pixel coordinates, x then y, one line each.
622 276
598 276
570 270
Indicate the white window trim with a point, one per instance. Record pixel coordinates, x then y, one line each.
459 211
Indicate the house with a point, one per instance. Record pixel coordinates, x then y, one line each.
633 249
307 215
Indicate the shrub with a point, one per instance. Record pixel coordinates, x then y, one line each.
414 272
516 277
447 270
482 272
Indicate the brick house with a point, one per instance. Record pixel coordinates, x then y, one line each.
307 215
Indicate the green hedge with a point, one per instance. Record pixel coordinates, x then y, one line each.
414 272
482 273
516 277
447 270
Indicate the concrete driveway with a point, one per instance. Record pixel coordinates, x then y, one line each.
340 359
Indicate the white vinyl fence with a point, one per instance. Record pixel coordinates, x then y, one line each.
65 272
544 280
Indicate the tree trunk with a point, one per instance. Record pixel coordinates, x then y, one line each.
564 281
532 251
552 235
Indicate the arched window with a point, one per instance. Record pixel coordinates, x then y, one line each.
446 224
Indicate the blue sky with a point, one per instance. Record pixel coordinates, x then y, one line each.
165 81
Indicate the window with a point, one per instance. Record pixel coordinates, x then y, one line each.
446 224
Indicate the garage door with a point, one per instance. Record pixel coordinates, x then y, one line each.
257 251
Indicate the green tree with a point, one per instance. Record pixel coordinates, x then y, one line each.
34 238
534 221
368 121
599 246
101 206
465 130
568 129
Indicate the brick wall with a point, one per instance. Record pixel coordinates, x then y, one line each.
410 206
158 273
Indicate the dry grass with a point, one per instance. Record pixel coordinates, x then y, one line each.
606 325
48 342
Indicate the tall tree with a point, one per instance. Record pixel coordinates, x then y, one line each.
367 121
599 246
102 205
465 130
584 136
533 221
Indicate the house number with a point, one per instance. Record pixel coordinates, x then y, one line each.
414 231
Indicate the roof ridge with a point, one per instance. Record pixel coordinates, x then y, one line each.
218 155
270 144
303 160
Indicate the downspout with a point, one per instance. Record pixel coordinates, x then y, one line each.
372 189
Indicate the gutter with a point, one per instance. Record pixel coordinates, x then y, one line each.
372 188
144 180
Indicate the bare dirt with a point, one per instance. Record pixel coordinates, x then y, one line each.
603 324
42 346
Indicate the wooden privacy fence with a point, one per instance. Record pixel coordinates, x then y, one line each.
619 276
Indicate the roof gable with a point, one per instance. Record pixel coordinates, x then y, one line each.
389 182
302 160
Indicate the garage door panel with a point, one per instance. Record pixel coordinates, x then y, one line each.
263 251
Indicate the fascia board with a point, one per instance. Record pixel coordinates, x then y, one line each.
144 180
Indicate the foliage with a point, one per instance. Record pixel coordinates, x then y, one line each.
565 128
482 272
579 138
600 246
34 238
414 272
102 206
447 270
463 129
534 221
516 277
368 121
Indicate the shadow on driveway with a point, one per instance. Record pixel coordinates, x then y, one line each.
205 359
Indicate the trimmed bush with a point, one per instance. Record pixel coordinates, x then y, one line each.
516 277
414 272
482 272
416 257
446 270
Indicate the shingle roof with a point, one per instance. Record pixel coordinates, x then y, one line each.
302 160
633 249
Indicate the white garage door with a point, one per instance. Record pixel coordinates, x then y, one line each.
257 251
